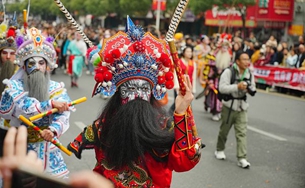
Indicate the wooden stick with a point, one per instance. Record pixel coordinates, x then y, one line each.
53 141
179 73
54 110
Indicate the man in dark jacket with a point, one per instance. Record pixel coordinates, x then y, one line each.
301 56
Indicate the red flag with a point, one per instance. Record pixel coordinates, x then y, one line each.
162 5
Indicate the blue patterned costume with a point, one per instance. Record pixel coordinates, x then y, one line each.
15 102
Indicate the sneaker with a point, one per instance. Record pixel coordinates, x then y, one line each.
215 117
219 115
220 155
87 72
243 163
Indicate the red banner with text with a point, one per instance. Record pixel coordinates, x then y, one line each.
275 10
279 76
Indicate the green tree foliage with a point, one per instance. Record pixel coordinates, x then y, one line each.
135 8
97 7
122 7
198 6
240 5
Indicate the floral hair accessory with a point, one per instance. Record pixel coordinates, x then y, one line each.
133 54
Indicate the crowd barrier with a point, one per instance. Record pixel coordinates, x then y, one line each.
291 78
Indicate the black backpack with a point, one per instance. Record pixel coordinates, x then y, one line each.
227 97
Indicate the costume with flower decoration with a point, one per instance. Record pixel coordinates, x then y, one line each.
15 101
220 61
124 57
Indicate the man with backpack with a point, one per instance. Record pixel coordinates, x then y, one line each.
235 82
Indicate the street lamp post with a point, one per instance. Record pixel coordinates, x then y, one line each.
158 14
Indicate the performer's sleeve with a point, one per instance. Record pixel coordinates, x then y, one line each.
184 154
16 102
60 121
85 140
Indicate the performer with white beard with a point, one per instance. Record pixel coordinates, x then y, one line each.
223 57
30 91
222 61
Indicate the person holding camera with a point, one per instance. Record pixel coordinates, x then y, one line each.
234 84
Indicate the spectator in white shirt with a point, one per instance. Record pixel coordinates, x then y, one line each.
292 58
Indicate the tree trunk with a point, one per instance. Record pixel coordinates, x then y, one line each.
243 17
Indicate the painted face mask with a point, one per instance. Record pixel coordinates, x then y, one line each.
35 64
133 89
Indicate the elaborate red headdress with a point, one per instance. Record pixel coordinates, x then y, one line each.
133 54
224 39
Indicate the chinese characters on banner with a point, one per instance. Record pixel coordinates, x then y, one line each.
279 76
229 17
275 10
162 5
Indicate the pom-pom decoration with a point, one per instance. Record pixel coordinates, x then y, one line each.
161 80
109 59
138 47
19 40
116 54
3 28
107 76
11 33
169 84
167 62
169 76
99 77
97 60
101 69
50 39
163 56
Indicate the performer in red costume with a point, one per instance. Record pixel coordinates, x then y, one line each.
137 144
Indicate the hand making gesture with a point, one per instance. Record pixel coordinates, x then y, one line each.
183 102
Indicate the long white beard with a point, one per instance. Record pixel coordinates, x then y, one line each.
37 84
223 60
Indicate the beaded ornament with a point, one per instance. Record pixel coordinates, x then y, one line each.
35 45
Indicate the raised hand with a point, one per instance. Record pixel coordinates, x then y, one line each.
183 102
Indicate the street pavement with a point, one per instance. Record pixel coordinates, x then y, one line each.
276 140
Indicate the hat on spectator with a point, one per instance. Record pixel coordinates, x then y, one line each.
178 36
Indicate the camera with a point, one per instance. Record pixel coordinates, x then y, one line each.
249 89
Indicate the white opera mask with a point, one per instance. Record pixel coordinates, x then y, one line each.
136 88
